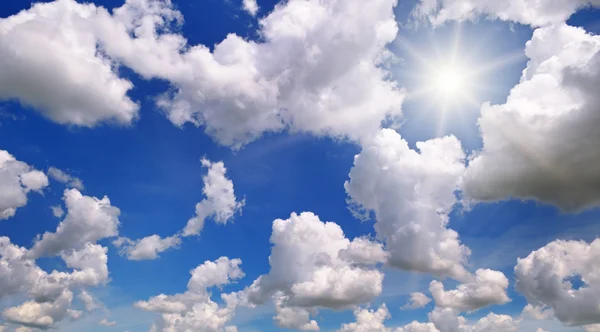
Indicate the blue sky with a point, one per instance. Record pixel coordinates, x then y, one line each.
503 205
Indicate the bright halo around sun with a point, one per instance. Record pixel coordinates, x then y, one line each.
446 80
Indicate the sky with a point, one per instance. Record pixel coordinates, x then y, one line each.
311 165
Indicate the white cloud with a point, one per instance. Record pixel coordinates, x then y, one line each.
368 320
251 7
88 301
543 278
487 288
538 312
194 310
417 300
315 70
72 81
411 193
307 268
88 219
555 105
106 322
418 327
63 177
220 202
293 317
57 211
448 320
17 179
535 13
363 250
40 315
146 248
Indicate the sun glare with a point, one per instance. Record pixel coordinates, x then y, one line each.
448 82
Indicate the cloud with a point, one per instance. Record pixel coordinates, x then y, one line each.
307 268
411 193
88 219
316 61
73 81
220 202
545 279
63 177
418 327
88 301
105 322
555 105
417 300
293 317
39 315
448 320
487 288
146 248
194 310
368 320
535 13
17 179
57 211
251 7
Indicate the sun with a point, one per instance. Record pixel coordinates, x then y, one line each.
448 81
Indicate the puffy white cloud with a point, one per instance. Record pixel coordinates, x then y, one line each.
368 320
448 320
73 81
17 179
293 317
307 268
88 301
417 300
418 327
411 193
316 70
88 220
487 288
57 211
250 6
17 272
535 13
146 248
194 310
544 278
63 177
106 322
89 263
40 315
220 202
555 105
364 251
538 312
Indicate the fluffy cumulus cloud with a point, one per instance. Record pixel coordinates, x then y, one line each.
417 300
411 193
306 267
194 310
535 13
448 320
66 178
88 219
146 248
17 179
250 6
72 81
219 203
418 327
316 69
487 288
555 105
50 294
368 320
106 322
293 317
545 279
